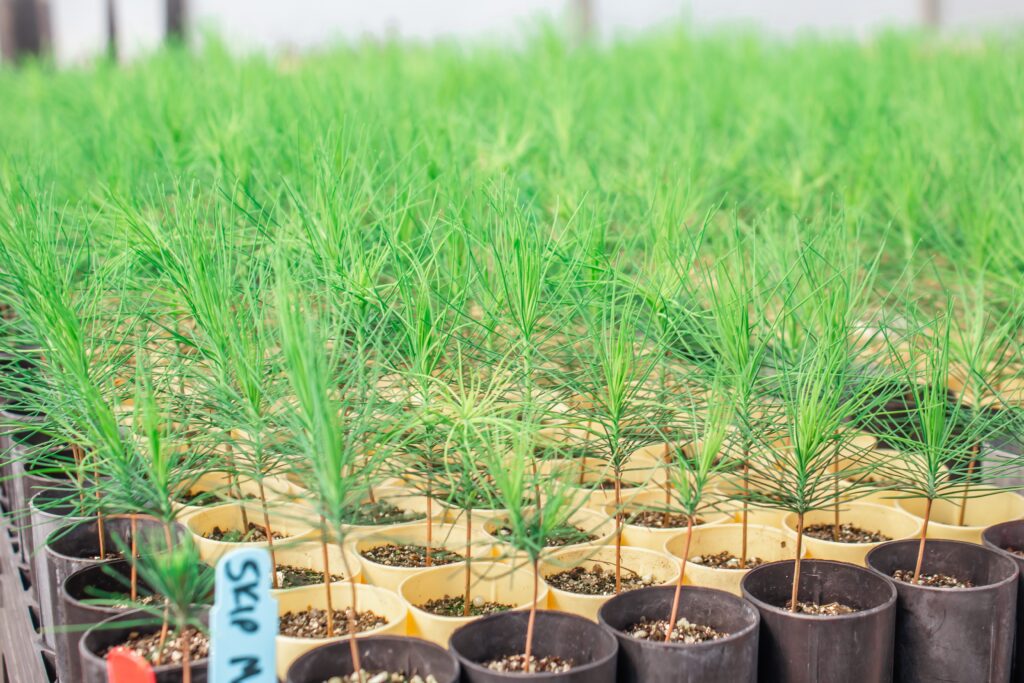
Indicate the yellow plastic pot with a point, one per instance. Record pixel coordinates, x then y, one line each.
446 536
894 523
980 513
767 543
653 538
661 569
310 555
286 521
590 521
493 581
382 602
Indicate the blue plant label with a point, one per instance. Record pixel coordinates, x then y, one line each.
243 621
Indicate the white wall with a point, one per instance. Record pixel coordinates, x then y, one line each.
79 25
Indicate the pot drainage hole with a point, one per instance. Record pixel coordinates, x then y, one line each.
312 622
450 606
684 631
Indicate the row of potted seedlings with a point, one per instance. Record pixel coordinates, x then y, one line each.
712 496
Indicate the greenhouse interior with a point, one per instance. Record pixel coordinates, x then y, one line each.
580 349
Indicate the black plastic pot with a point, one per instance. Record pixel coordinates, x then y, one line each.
952 634
732 659
80 614
1000 537
110 632
379 653
75 547
802 648
592 648
47 513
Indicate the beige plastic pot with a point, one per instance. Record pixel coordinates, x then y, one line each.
894 523
446 536
659 568
490 580
980 513
310 555
382 602
654 538
767 543
286 521
590 521
221 486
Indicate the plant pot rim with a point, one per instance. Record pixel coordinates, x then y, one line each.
127 616
92 567
63 531
989 543
840 544
583 622
541 598
1001 554
360 587
593 550
727 526
745 605
386 639
373 537
761 604
966 527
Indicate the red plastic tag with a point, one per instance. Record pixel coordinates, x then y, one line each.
124 666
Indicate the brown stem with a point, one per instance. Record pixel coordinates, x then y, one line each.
186 664
618 534
975 451
835 489
533 616
135 554
668 487
164 627
428 561
235 486
924 535
679 583
327 580
270 534
796 566
469 542
370 494
746 493
353 646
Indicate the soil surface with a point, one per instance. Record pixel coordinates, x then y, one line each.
933 580
145 645
828 609
312 623
683 632
450 606
660 520
595 581
559 538
293 577
609 485
848 533
725 560
381 677
254 534
124 600
518 663
383 512
394 555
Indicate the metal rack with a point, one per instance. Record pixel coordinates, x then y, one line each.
23 657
